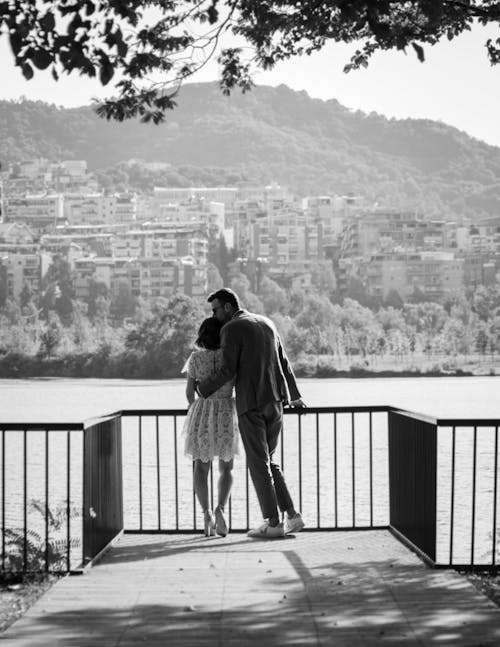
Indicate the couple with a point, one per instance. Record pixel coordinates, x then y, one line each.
237 347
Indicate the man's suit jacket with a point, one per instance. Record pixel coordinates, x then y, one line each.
253 354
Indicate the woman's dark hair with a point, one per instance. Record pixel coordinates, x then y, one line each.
209 334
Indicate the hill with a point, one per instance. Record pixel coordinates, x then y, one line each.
271 134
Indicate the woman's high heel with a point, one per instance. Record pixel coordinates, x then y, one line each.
209 523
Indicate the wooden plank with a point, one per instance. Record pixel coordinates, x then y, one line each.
348 588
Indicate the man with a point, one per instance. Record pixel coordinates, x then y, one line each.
252 353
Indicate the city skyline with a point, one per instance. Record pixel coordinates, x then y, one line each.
456 85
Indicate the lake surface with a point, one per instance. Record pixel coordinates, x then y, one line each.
74 400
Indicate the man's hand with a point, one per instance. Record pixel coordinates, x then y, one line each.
298 404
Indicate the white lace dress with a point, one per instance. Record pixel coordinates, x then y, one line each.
211 425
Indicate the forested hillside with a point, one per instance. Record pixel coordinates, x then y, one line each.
271 134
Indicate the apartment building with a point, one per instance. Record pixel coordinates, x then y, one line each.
18 187
40 176
170 195
16 234
436 274
149 278
23 267
40 212
97 244
330 211
239 219
262 193
368 232
89 209
161 242
124 207
480 268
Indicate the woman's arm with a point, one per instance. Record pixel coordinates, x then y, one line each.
190 390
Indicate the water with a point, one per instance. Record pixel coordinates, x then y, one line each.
74 400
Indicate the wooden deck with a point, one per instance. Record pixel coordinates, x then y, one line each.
339 588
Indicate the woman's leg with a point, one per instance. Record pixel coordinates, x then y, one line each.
200 480
225 482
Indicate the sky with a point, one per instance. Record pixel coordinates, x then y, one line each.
456 85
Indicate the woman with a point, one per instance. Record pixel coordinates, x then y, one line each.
211 426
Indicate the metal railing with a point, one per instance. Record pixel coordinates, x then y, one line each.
444 488
60 498
67 490
334 459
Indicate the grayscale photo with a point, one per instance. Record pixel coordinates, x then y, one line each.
249 323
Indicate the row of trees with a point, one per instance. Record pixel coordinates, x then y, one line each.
322 334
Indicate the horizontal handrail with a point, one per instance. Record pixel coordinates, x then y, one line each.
287 410
41 426
447 422
386 408
79 426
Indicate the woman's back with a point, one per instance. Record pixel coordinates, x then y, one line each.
204 363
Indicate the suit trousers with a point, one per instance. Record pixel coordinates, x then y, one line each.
260 429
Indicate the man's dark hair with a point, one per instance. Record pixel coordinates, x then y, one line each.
225 295
209 334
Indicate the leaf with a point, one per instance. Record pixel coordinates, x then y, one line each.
48 22
213 14
42 59
15 43
89 7
106 72
420 52
27 71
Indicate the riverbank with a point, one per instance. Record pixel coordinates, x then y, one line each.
134 366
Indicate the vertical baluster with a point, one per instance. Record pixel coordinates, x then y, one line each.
282 453
84 492
474 468
3 499
371 466
140 472
452 502
495 496
194 502
158 471
212 485
47 509
336 500
300 461
318 511
25 499
176 472
247 502
68 500
353 454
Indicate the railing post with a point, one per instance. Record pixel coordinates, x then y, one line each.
102 486
412 481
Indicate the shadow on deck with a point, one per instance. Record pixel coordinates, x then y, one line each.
317 588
